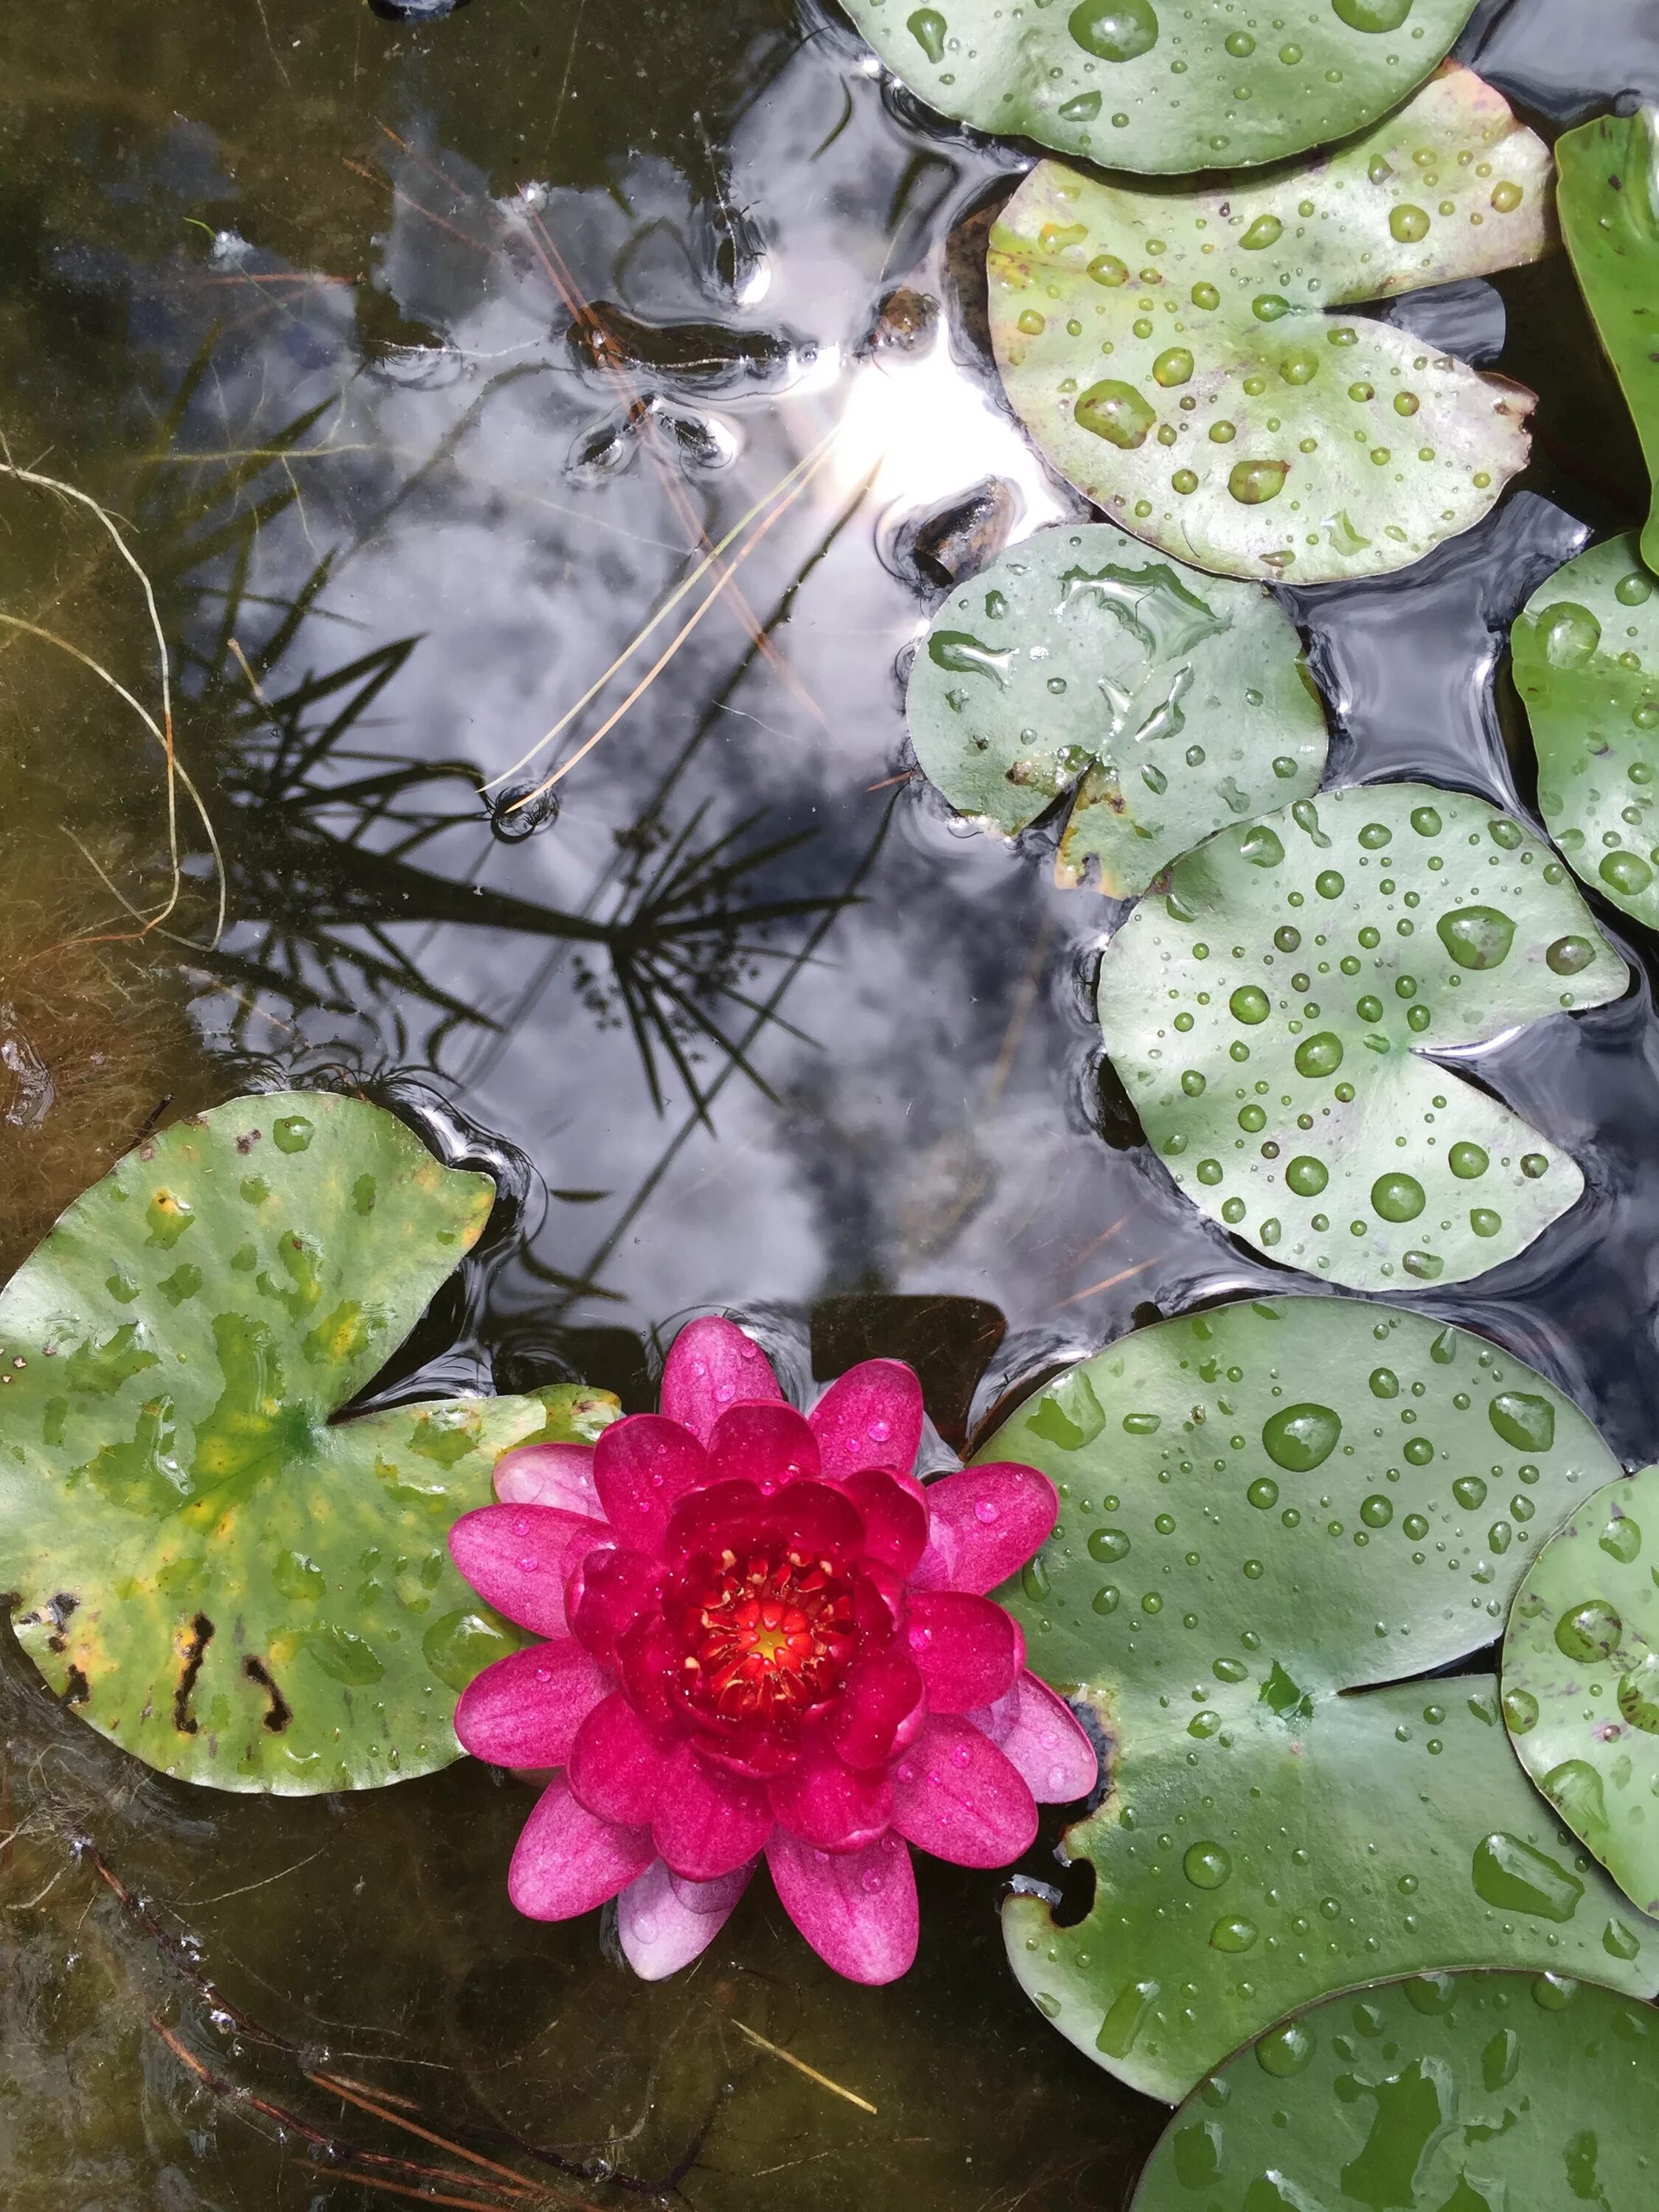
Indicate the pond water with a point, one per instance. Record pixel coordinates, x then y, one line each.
748 1023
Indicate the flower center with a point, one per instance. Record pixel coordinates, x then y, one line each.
767 1635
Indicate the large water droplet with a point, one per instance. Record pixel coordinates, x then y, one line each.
1589 1631
1307 1177
1398 1197
1301 1437
958 654
1510 1875
1284 2051
1125 2018
1638 1695
927 28
1234 1934
1253 484
1627 872
1206 1866
1115 30
1372 15
1476 936
1576 1787
1520 1710
1116 412
1523 1420
1319 1055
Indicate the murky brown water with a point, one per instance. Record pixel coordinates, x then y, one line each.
750 1023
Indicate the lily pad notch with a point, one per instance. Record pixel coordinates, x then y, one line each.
213 1571
1183 358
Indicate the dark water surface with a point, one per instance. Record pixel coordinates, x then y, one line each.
750 1023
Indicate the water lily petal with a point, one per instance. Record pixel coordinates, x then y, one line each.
517 1557
617 1767
767 1445
567 1862
894 1517
525 1710
664 1921
714 1365
608 1593
956 1795
707 1821
881 1707
870 1417
641 1466
549 1474
1037 1733
856 1909
825 1802
969 1651
813 1514
985 1523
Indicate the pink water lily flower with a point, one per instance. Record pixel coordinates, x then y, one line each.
763 1635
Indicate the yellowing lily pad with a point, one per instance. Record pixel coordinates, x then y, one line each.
1587 665
200 1560
1447 2092
1171 702
1270 1013
1183 357
1581 1678
1610 219
1273 1515
1152 85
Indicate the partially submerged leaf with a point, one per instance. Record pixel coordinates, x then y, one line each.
1268 1016
1454 2092
1586 665
1610 220
1265 1509
218 1576
1150 85
1581 1678
1176 353
1171 702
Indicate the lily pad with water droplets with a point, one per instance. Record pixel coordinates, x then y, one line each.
215 1571
1587 665
1182 356
1581 1678
1270 1013
1448 2093
1609 195
1170 702
1266 1509
1152 86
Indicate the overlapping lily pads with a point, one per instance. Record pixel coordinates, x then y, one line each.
1268 1015
1266 1509
1180 357
1581 1678
1587 665
1152 86
214 1572
1170 702
1451 2092
1610 219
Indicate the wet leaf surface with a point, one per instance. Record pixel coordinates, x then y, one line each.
1169 702
216 1573
1148 86
1270 1013
1266 1509
1609 198
1467 2092
1581 1678
1587 665
1178 356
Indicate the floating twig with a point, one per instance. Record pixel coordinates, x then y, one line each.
777 2051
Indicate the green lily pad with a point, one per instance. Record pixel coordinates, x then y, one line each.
1609 193
1266 1509
1150 85
1170 702
1453 2093
1267 1015
1581 1678
1586 665
1178 354
215 1573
